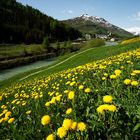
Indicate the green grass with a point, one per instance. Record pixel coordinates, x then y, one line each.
103 97
88 56
13 51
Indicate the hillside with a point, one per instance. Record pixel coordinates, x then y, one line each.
24 24
96 26
97 100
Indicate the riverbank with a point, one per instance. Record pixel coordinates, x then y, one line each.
8 73
17 55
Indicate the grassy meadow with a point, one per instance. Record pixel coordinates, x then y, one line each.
88 100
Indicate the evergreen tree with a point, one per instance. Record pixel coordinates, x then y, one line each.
46 43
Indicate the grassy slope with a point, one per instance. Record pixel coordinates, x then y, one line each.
88 56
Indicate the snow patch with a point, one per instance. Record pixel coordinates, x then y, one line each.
95 19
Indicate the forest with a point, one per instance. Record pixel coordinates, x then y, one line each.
24 24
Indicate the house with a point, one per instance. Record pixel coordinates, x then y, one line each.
101 36
112 39
87 36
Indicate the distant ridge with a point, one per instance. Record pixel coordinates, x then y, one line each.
96 25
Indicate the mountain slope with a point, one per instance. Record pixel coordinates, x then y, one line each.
96 25
24 24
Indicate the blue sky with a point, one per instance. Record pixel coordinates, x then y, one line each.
122 13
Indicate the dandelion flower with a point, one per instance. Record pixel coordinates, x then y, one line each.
69 110
71 95
50 137
74 125
61 132
105 74
66 91
47 104
103 78
113 76
0 98
67 123
117 72
45 120
81 126
136 71
127 81
87 90
28 112
11 120
134 83
100 110
107 99
81 87
112 108
8 114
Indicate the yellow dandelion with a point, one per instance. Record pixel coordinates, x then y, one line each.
136 71
87 90
50 137
117 72
69 110
81 126
61 132
127 81
133 74
122 67
107 99
113 76
66 91
45 120
105 74
81 87
100 109
67 123
112 108
11 120
8 114
71 95
72 83
134 83
103 78
28 112
74 126
0 98
47 104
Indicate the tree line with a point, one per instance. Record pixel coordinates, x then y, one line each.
24 24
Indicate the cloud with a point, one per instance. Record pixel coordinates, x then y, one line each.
137 16
70 11
67 12
134 30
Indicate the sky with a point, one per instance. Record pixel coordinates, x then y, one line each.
122 13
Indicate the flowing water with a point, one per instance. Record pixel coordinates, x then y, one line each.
8 73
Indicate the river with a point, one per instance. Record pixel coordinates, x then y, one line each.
8 73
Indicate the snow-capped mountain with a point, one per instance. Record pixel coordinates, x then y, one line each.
95 19
96 25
